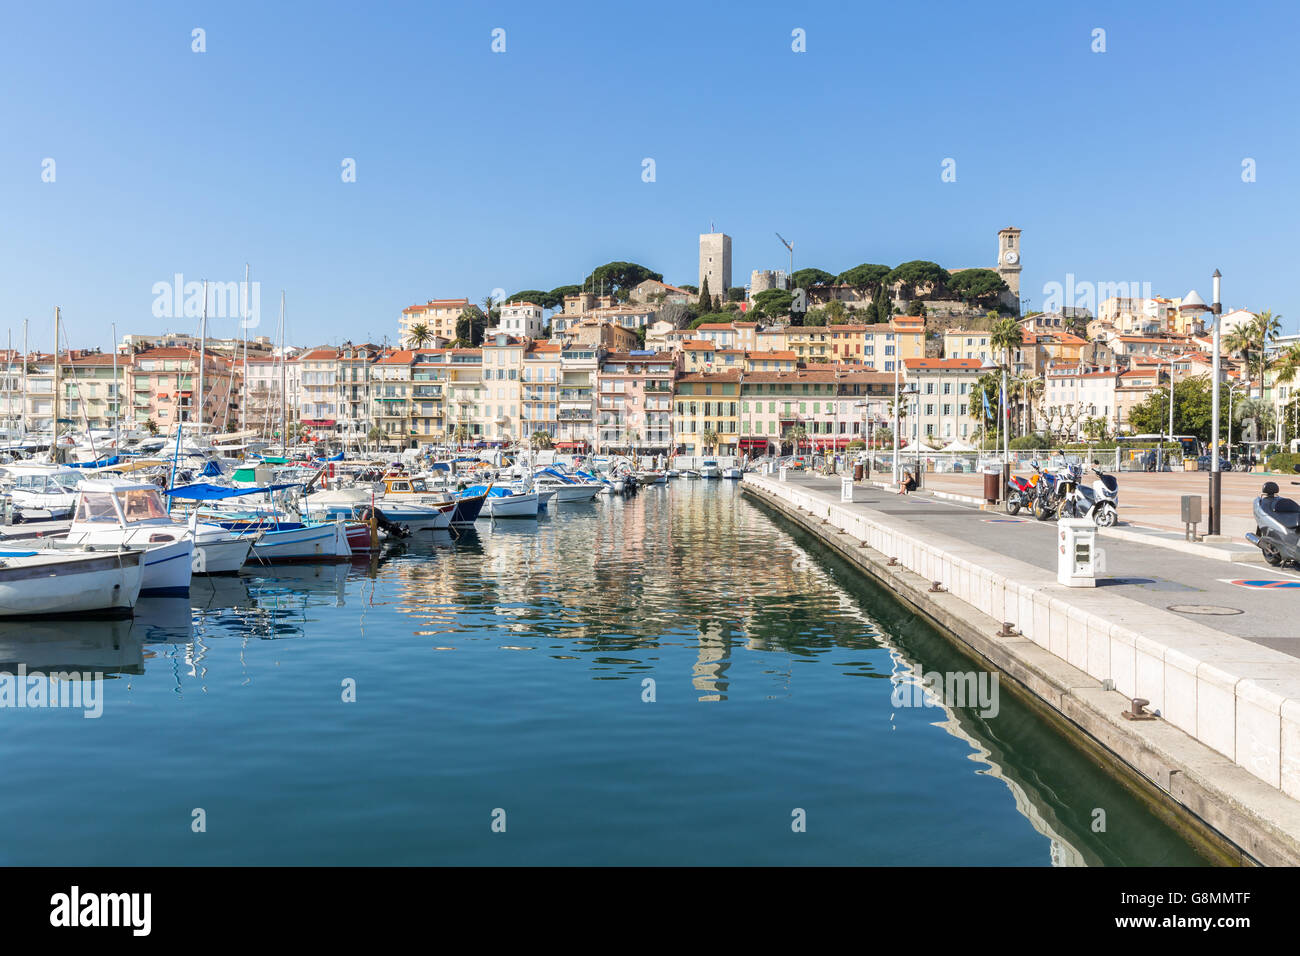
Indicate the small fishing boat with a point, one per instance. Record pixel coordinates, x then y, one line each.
732 472
505 503
709 469
47 583
122 513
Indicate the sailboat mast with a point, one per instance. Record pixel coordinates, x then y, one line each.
115 391
24 377
243 397
54 443
284 388
203 351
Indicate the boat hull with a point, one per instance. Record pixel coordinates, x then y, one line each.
512 506
222 556
321 542
48 584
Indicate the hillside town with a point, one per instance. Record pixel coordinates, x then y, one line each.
629 363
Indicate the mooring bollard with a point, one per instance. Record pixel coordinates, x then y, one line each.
782 476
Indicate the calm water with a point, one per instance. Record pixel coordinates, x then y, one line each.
505 670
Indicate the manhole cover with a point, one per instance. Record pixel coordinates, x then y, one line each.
1204 609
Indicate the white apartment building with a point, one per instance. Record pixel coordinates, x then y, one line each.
521 319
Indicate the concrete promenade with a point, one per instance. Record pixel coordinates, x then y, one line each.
1219 661
1154 498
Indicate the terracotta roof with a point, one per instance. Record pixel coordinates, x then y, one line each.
437 304
398 357
943 363
732 375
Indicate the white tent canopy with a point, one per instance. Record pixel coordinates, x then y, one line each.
958 445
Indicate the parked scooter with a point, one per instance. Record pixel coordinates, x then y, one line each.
1277 526
1099 502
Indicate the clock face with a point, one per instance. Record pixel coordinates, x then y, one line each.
1010 257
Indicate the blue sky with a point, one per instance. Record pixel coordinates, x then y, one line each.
479 170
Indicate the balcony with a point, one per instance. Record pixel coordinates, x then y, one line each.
575 394
574 415
427 391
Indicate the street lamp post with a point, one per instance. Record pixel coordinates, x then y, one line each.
1216 477
897 362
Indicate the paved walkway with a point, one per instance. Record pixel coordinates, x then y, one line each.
1155 498
1151 575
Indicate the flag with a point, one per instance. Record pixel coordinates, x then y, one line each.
988 413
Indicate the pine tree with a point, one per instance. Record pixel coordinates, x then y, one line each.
705 305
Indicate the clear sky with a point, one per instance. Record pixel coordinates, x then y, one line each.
478 170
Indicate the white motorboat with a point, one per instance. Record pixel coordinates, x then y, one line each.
566 488
709 469
122 513
732 472
327 541
43 487
47 582
504 503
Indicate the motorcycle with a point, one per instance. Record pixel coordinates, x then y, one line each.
1099 502
1277 526
1020 491
1047 497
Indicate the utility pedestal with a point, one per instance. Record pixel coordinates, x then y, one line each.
1076 559
846 489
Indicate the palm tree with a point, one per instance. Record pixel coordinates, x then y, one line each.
151 426
374 435
709 439
460 432
540 440
796 435
1007 335
1033 391
1265 329
419 335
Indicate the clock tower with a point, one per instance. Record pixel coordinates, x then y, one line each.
1009 262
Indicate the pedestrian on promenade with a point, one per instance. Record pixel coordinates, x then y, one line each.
908 484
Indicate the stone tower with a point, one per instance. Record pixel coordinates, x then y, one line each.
1009 260
715 262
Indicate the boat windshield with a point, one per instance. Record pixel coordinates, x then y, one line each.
417 484
96 506
141 504
67 483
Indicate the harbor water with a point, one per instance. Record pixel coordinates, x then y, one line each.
672 678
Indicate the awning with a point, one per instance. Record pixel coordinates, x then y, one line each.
570 444
318 422
753 443
836 442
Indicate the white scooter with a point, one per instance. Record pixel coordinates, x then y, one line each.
1100 502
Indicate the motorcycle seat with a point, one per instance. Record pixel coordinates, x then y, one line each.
1284 510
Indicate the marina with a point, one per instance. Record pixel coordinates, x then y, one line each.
789 683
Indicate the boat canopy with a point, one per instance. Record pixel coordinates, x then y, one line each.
101 463
202 491
475 490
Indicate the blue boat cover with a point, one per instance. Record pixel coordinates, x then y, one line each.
475 490
211 470
101 463
206 492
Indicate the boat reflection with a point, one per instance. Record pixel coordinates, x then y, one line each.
100 646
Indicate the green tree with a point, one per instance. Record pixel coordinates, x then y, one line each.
418 335
815 316
812 278
1192 410
709 438
796 435
881 307
773 303
918 275
710 318
866 278
1096 428
556 295
151 426
916 307
736 294
540 441
1007 335
706 301
984 287
1266 328
470 326
619 277
836 313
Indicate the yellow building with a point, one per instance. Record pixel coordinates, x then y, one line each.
707 402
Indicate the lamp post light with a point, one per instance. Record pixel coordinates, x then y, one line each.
1216 477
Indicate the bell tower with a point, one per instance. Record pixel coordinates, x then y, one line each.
1009 259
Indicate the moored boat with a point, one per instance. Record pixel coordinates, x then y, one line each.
48 582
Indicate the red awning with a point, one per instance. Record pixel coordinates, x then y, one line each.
570 444
753 443
318 422
837 442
